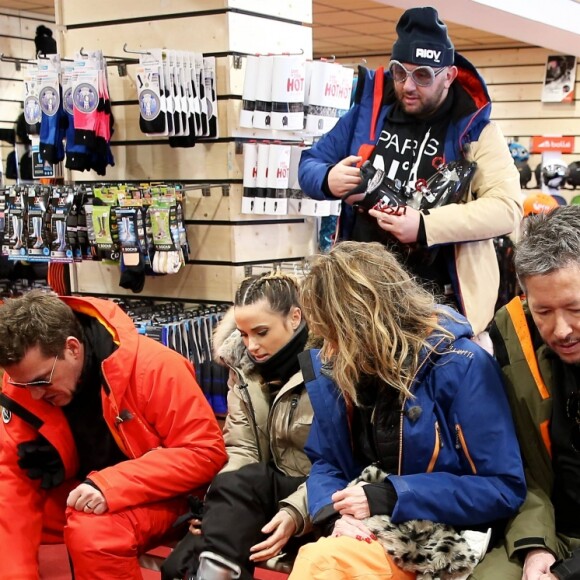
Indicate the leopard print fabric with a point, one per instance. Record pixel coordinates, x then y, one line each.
432 550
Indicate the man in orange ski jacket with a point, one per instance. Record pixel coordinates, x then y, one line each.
103 434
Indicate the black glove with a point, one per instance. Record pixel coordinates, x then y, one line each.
195 511
568 569
41 461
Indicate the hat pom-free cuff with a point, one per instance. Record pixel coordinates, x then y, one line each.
423 54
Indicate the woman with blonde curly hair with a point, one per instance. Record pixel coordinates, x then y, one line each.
400 385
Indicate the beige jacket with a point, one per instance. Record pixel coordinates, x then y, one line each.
494 209
259 429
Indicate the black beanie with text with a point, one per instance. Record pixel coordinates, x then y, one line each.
422 39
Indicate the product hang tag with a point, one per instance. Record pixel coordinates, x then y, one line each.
315 207
247 205
295 206
276 206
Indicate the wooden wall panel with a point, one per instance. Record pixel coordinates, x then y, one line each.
250 242
208 33
83 12
152 161
9 110
194 282
202 33
534 110
21 27
520 92
528 127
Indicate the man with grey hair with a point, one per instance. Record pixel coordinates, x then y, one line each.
537 343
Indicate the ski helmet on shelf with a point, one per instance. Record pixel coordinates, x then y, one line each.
518 151
554 174
539 203
525 172
573 178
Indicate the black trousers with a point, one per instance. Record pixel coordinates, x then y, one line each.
238 504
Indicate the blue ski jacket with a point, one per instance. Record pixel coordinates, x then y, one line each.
459 456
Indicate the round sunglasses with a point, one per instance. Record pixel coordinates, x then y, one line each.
423 76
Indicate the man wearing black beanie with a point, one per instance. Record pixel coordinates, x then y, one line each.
430 107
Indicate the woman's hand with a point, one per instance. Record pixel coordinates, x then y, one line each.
352 501
353 528
282 527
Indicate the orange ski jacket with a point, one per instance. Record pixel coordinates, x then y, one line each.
157 414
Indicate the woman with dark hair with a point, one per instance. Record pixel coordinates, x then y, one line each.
258 501
400 385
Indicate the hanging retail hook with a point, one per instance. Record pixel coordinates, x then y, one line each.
18 62
362 61
118 61
44 56
293 53
331 58
125 49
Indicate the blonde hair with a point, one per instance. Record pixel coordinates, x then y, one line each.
374 318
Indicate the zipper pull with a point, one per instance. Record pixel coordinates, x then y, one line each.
438 429
457 441
124 415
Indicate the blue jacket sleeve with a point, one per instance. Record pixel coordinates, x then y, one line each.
328 446
479 415
326 152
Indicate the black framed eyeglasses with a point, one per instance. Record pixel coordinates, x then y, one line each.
40 383
573 413
423 76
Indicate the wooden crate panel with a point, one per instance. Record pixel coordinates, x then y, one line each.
210 162
255 241
193 282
